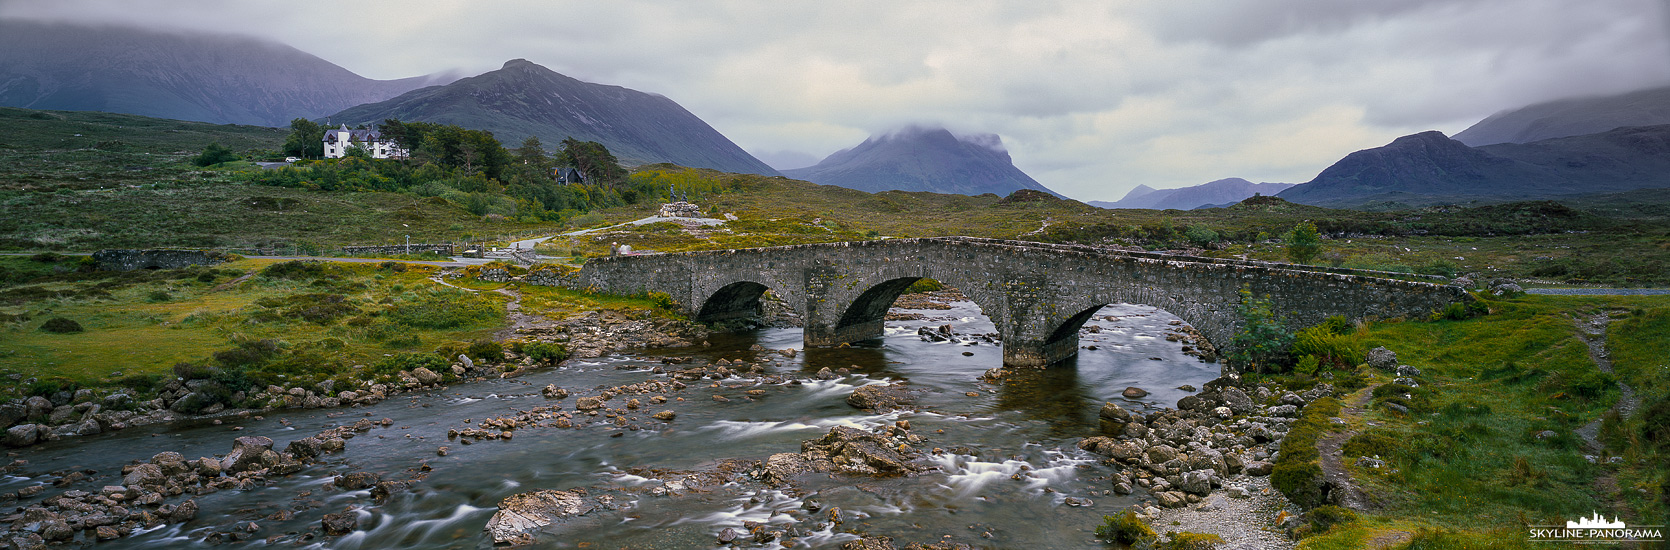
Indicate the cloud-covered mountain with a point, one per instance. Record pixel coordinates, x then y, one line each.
923 159
1224 191
184 76
1571 117
1428 167
524 99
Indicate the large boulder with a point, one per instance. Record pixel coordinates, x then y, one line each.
357 480
247 454
781 467
145 475
22 435
857 451
37 406
13 411
425 376
1161 454
1238 401
879 398
1382 358
337 525
520 515
1196 481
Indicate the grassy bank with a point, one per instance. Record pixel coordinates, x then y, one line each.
1489 446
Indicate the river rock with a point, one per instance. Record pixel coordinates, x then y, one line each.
425 376
57 531
591 403
1197 482
1134 392
305 448
23 541
665 416
37 406
1238 401
1258 468
825 374
337 525
1283 410
381 492
521 514
551 391
246 454
185 511
144 475
781 467
61 415
357 480
22 435
1171 499
1161 454
207 467
873 542
13 411
879 398
857 451
1382 358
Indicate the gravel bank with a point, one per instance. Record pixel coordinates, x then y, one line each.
1244 523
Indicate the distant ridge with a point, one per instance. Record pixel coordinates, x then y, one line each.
1224 191
1571 117
1429 167
918 158
184 76
524 99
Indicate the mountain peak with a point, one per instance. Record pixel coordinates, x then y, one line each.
524 98
923 158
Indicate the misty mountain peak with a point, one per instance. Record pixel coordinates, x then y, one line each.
923 158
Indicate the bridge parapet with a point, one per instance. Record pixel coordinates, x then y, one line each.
1037 294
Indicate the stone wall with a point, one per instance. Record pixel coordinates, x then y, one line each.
129 260
1038 295
442 249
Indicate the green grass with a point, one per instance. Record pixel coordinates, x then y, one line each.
1467 466
332 317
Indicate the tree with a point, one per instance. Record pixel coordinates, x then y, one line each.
532 154
593 160
1262 344
214 154
307 139
1303 243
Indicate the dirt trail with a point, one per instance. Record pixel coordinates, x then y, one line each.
1592 330
1342 489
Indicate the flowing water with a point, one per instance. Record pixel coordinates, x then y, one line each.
1008 472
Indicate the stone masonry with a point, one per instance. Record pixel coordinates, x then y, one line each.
129 260
1038 295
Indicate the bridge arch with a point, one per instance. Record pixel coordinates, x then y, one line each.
1037 295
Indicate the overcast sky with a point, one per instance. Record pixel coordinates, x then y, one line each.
1091 98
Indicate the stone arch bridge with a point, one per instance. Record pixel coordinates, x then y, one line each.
1038 295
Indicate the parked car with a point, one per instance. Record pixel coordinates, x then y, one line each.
291 159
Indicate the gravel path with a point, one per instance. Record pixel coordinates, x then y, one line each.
1592 330
1330 449
1244 523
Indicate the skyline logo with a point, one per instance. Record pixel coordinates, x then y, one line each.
1596 529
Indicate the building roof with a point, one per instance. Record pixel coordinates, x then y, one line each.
353 135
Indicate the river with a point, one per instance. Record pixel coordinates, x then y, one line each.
1008 472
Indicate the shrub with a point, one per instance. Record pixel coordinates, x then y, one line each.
1125 528
1655 424
141 383
158 296
206 276
924 285
296 269
486 351
1328 347
1303 243
409 361
1262 344
1370 444
45 388
1201 235
1193 541
1297 473
545 352
1322 518
191 371
214 154
441 309
60 325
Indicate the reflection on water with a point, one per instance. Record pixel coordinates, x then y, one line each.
1006 457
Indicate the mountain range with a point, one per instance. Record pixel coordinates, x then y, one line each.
1571 117
1215 193
524 99
1428 167
184 76
918 158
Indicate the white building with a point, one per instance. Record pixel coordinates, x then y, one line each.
339 140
